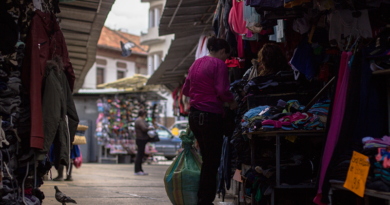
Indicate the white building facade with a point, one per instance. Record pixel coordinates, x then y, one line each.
158 45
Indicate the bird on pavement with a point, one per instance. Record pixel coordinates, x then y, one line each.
62 198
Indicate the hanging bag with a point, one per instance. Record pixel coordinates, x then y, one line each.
78 160
79 140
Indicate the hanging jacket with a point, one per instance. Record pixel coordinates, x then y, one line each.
45 40
57 105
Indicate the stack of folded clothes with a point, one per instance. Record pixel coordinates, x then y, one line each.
380 178
285 116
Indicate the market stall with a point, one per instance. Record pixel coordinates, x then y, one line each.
311 81
117 113
46 49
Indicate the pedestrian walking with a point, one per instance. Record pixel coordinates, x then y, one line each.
142 138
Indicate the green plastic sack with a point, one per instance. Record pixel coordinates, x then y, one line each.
182 177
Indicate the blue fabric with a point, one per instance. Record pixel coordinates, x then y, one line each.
74 152
253 112
371 120
225 168
303 59
3 86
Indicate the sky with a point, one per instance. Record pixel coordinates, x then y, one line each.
129 15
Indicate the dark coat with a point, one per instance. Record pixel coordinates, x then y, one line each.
45 40
57 105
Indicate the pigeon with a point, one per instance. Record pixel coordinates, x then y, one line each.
62 198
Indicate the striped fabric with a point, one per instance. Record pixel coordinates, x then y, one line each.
182 178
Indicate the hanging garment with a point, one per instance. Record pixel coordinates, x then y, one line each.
238 25
9 33
45 41
348 124
230 36
371 120
202 48
60 119
343 24
336 120
251 17
303 60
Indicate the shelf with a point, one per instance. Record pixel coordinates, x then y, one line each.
368 192
381 72
285 133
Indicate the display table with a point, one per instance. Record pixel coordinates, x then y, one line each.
258 135
368 192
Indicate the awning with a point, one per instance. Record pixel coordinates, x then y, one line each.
136 83
188 20
81 23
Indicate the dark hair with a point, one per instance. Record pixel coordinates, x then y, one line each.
215 44
272 59
141 113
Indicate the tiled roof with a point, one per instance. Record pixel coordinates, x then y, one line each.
111 39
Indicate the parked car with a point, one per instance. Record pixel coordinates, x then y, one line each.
178 127
168 144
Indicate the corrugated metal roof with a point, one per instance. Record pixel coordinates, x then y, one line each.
188 20
81 23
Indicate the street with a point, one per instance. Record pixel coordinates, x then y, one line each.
105 184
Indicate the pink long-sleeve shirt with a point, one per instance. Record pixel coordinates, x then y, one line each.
207 85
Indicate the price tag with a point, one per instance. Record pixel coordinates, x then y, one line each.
357 174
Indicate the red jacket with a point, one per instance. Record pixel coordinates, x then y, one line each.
45 40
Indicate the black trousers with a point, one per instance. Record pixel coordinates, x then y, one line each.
208 130
140 155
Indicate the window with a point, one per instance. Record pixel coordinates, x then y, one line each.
101 61
121 65
99 76
120 74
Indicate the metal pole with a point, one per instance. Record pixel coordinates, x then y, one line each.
277 161
166 117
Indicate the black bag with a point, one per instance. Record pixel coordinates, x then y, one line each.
154 139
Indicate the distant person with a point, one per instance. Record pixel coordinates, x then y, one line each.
142 138
207 85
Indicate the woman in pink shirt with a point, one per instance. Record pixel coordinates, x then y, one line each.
207 85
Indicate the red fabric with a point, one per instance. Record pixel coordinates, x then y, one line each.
240 46
181 104
78 160
238 25
45 40
236 18
207 85
204 39
232 63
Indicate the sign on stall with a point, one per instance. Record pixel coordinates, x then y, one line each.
357 174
